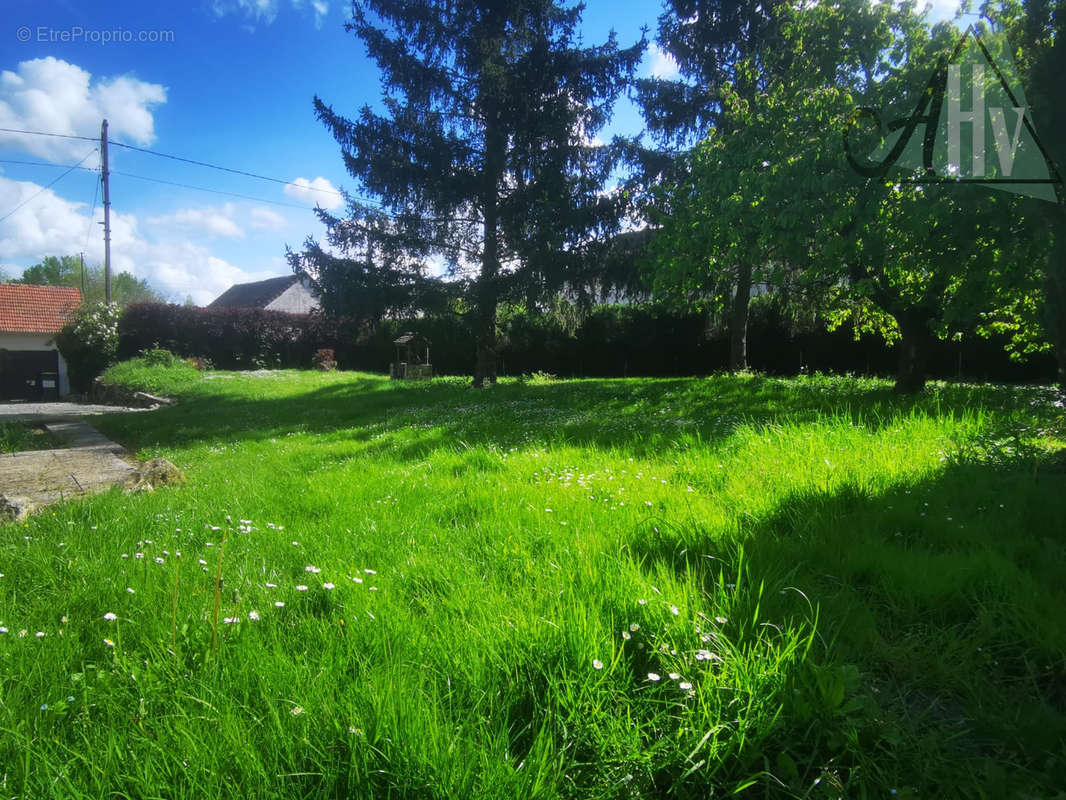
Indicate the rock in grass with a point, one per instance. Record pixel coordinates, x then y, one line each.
15 509
157 472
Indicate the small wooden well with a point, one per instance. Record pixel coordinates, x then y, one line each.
412 358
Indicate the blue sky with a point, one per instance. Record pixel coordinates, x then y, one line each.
228 82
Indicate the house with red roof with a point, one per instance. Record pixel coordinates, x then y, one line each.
31 367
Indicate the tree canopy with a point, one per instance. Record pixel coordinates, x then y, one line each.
767 199
67 271
482 179
484 152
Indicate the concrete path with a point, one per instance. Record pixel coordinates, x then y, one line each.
90 463
42 412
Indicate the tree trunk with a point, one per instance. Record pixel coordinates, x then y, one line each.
738 320
913 353
485 338
487 288
1055 287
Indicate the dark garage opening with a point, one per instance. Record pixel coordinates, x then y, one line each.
29 375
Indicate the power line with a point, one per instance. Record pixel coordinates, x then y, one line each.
92 210
42 164
49 186
202 164
194 161
42 133
205 189
226 169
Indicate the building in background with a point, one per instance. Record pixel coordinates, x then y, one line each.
31 367
292 294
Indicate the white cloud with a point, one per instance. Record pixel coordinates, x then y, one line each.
51 95
265 219
209 221
660 63
257 11
264 12
321 9
317 192
175 265
48 225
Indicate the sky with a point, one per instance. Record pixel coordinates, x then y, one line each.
227 82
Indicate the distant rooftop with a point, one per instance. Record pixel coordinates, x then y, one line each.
36 309
258 294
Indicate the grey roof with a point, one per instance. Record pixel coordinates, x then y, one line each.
407 337
258 294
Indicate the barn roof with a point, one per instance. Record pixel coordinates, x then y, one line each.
25 308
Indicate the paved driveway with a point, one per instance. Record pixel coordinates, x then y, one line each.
43 412
89 462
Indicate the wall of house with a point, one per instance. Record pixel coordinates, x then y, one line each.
36 341
297 299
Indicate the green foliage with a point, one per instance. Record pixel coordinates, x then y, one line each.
858 610
154 373
481 154
17 436
233 337
157 356
766 197
89 342
67 271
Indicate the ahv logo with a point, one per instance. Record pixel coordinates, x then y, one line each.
972 106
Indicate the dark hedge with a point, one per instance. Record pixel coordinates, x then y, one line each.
616 340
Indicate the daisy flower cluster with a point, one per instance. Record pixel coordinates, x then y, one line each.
641 645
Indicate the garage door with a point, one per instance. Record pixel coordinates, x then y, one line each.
29 374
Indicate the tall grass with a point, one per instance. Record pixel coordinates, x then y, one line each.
589 589
18 436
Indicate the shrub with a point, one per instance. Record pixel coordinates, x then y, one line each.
198 363
234 338
143 375
159 357
323 359
89 342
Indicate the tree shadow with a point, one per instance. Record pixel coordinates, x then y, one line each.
945 591
641 416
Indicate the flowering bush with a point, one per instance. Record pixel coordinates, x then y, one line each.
89 342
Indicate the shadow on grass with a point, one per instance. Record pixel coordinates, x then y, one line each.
642 416
946 593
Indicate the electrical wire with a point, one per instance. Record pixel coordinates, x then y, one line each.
224 169
56 135
201 164
43 164
92 210
194 161
205 189
49 186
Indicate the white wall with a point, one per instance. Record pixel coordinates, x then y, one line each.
36 341
297 299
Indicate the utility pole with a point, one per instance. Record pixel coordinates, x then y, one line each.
83 276
107 212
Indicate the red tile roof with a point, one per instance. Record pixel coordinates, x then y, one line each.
35 309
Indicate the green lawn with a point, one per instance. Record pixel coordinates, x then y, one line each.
680 588
18 436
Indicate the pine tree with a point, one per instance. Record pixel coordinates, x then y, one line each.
484 153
